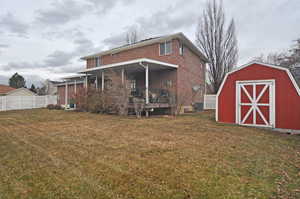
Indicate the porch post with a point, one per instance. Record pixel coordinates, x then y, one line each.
86 81
147 84
96 81
102 79
75 86
122 75
66 95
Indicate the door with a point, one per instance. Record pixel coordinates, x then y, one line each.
256 103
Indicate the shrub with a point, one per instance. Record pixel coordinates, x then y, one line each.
113 100
50 106
57 107
54 107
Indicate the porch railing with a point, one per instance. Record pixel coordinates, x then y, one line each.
156 95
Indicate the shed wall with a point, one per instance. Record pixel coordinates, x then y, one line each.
287 100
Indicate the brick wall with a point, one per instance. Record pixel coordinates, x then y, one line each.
71 92
190 73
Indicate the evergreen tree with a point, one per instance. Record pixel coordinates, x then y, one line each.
32 88
17 81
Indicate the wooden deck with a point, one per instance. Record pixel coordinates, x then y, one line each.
153 105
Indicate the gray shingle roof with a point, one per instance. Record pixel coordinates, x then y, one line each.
150 41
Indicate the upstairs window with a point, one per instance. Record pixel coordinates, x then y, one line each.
97 61
181 49
165 48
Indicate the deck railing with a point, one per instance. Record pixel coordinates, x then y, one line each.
156 95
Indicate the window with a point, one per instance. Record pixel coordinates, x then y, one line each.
181 49
133 85
98 61
168 83
165 48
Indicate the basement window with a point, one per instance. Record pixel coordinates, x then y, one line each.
165 48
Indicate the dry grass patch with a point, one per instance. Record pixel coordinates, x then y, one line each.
58 154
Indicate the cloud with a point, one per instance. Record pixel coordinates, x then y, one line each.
74 68
115 40
159 23
62 12
3 46
103 6
58 58
20 66
10 24
4 79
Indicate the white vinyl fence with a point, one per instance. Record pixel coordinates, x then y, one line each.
26 102
209 102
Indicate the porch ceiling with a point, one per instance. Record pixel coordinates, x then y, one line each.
133 66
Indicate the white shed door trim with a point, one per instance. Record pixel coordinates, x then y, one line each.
251 109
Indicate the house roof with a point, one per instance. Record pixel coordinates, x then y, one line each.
150 41
21 89
5 89
131 62
292 78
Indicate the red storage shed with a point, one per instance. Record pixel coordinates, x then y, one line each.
261 95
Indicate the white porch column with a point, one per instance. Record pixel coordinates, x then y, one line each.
66 95
86 81
102 79
147 84
123 75
96 84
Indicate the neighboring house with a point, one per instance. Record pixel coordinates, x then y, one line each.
51 87
20 92
5 89
261 95
153 66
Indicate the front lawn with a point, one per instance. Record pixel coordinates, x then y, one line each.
58 154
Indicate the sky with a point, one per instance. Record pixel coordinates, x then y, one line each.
45 39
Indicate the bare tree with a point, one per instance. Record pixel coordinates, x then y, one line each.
272 58
218 43
288 59
132 36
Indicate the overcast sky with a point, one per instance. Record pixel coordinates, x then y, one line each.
45 39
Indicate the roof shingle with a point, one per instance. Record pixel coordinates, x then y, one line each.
5 89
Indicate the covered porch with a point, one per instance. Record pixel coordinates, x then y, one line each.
150 80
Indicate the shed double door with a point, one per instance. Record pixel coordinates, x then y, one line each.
255 103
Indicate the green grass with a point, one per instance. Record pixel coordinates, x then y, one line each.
57 154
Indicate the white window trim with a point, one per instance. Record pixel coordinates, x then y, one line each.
181 49
165 44
272 98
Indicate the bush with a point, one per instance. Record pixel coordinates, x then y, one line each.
113 100
54 107
51 106
57 107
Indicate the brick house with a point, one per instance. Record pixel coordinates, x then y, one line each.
152 66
